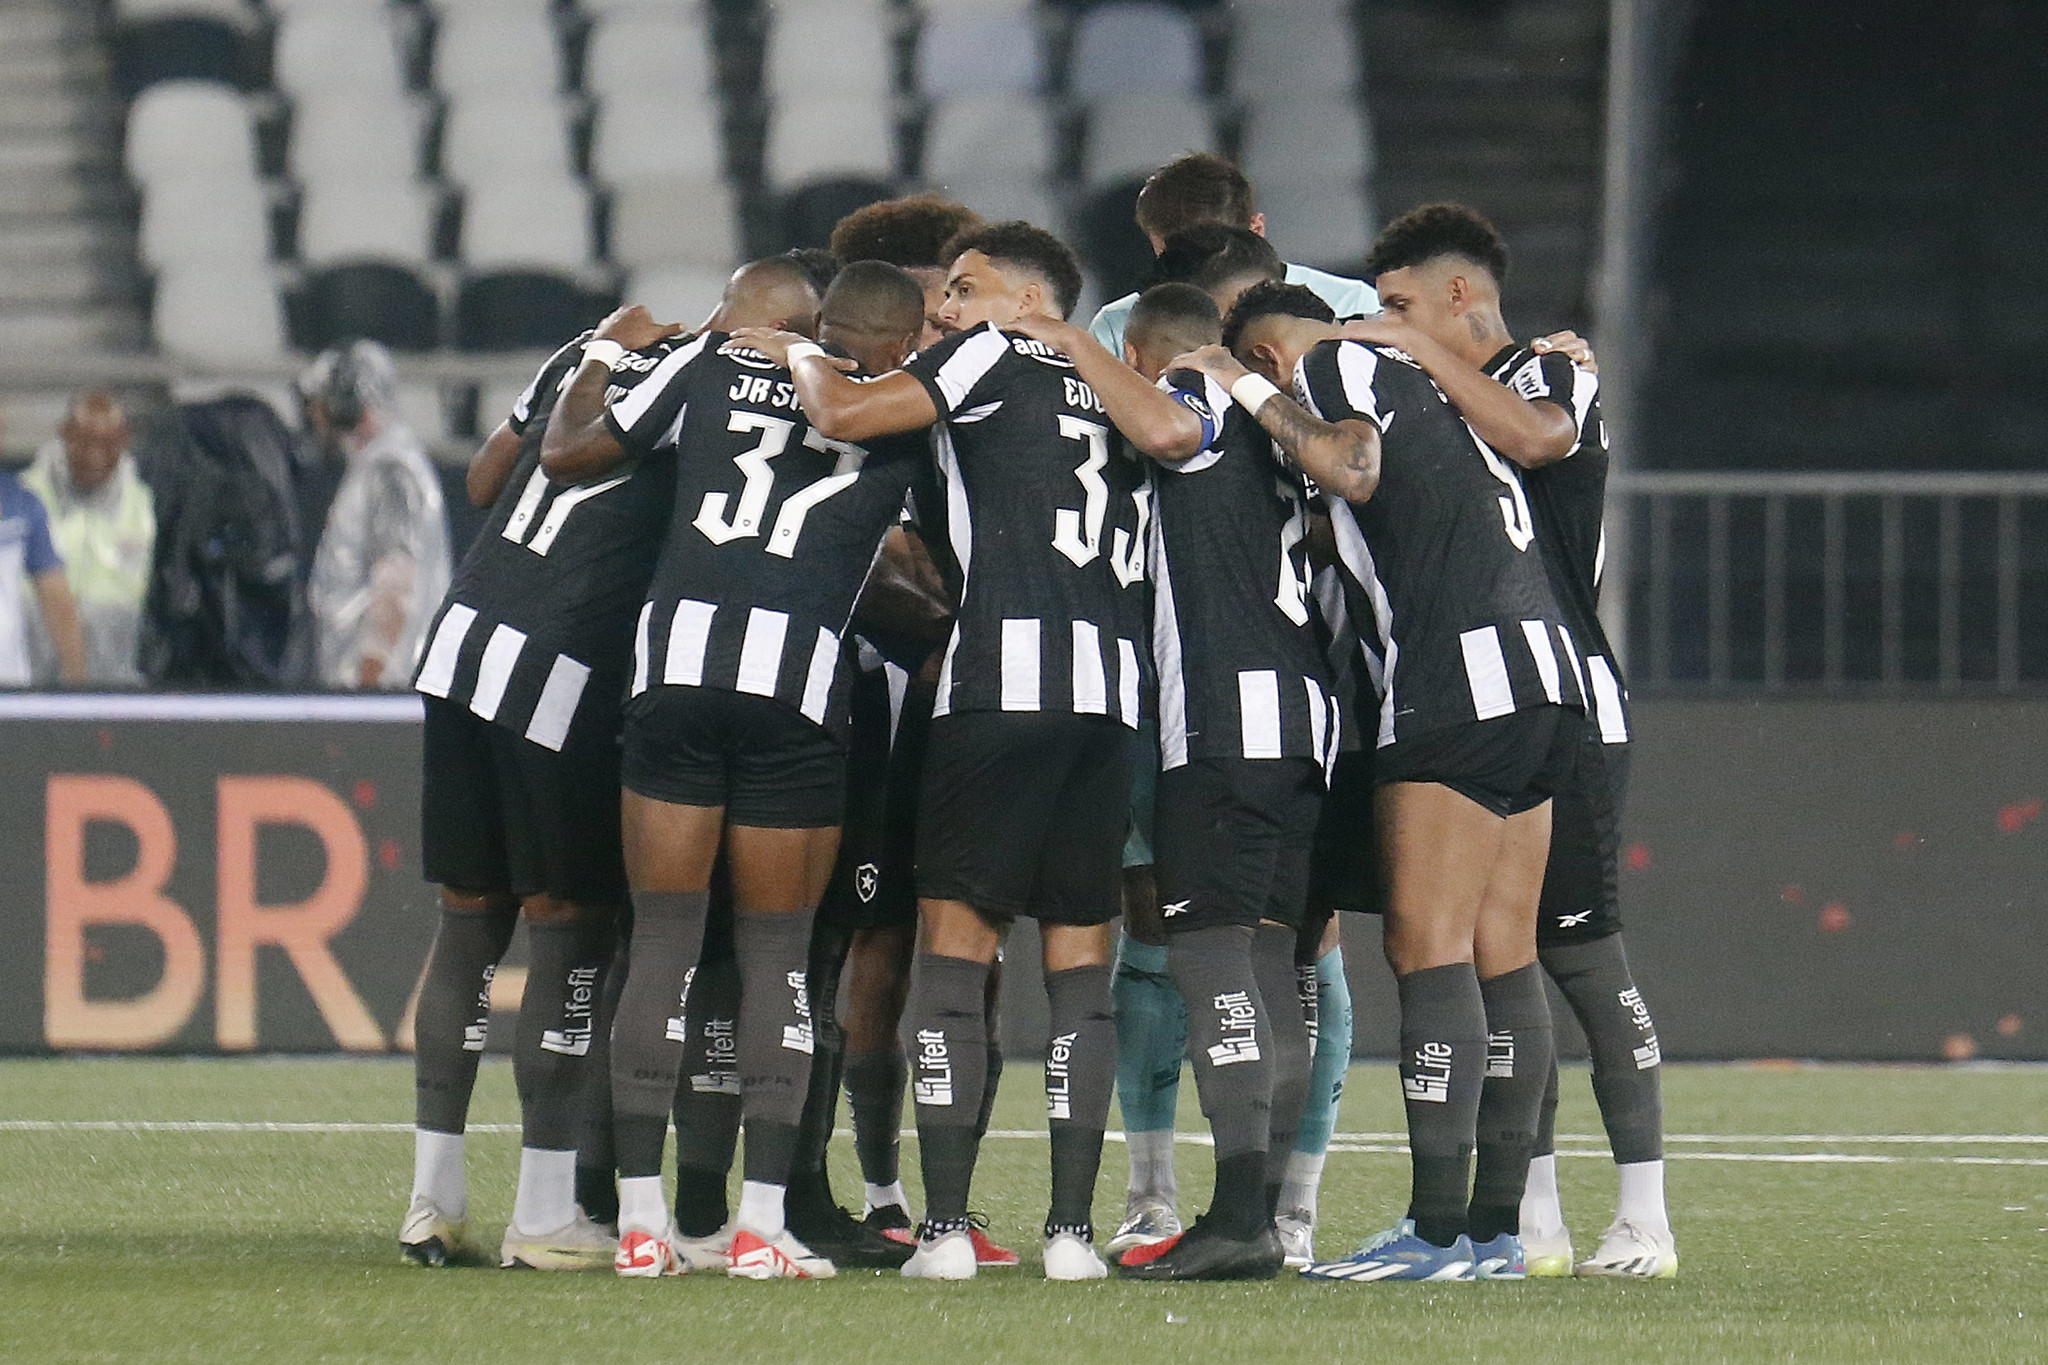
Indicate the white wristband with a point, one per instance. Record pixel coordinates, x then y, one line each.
605 352
799 349
1252 391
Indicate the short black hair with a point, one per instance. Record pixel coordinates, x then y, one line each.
1180 313
820 266
1197 188
1271 298
1018 243
875 298
911 231
1435 230
1213 253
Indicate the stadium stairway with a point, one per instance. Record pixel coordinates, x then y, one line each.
62 205
1498 104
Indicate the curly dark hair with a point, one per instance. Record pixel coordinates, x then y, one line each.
1435 230
1020 244
1271 298
910 232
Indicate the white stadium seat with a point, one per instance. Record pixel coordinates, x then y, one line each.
229 11
673 136
1306 142
378 220
337 45
973 52
666 222
988 134
1003 198
542 224
646 53
197 220
216 316
340 134
479 50
1286 54
836 136
181 128
819 47
1137 134
488 138
685 294
1324 224
1124 49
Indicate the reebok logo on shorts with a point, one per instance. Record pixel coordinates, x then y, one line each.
1238 1026
573 1038
1500 1055
934 1062
1429 1080
1059 1081
797 1037
1173 908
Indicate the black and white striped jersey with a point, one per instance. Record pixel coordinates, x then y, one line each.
1444 579
1568 500
774 530
537 628
1241 672
1047 516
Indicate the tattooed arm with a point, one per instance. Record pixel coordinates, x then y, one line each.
1342 457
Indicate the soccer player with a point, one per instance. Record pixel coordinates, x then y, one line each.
522 675
1480 710
1440 270
1028 774
732 738
910 232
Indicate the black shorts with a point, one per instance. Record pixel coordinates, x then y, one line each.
1231 838
1024 813
500 813
1344 866
770 767
874 883
1581 891
1508 764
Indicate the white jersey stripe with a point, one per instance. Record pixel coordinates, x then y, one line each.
496 670
960 531
966 366
1357 365
1607 695
1258 710
1166 656
1546 657
818 682
549 725
640 648
631 407
1091 683
1318 721
761 652
1571 655
1020 664
689 634
1127 681
1486 673
437 675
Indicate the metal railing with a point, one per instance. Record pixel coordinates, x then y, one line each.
1831 582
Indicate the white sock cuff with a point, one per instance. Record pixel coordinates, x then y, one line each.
437 1171
881 1196
547 1191
642 1205
761 1209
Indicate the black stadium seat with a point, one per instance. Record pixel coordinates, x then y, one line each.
1110 241
809 214
517 310
181 47
382 302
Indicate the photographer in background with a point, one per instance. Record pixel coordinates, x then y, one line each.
103 523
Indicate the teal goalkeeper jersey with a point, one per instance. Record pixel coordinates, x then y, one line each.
1349 298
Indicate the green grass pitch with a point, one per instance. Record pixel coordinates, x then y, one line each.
195 1244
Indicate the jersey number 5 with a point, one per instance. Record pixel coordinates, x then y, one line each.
1514 509
1078 534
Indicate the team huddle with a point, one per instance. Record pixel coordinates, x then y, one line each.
804 652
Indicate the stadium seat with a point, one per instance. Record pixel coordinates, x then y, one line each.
526 224
1124 49
1283 52
979 52
1003 198
1306 142
380 219
487 138
336 45
1137 134
138 11
226 317
842 47
1324 224
480 49
373 299
337 134
809 214
829 135
672 135
685 294
181 128
197 220
646 52
520 310
180 46
988 135
1107 233
659 222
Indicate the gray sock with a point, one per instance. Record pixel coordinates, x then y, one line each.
1627 1063
1080 1077
1520 1052
454 1013
1443 1059
1546 1122
647 1049
777 1035
558 1021
945 1034
1273 967
707 1104
1231 1046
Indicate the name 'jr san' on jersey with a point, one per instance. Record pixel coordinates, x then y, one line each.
1047 516
535 630
1442 568
775 528
1568 500
1241 669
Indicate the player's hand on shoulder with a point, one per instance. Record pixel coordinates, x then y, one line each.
634 328
1574 346
775 345
1378 330
1038 327
1215 361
